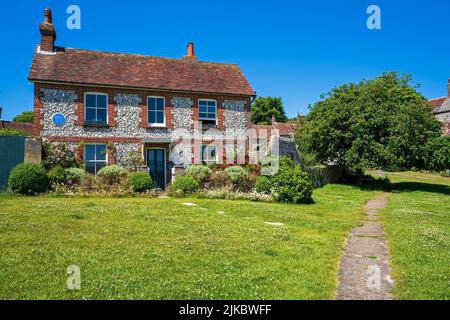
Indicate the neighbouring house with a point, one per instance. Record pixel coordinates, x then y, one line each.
107 105
441 108
281 136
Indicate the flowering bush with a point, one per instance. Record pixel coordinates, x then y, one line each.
229 194
58 155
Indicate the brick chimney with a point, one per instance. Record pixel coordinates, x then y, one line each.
190 53
48 33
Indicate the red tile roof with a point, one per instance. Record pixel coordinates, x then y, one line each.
137 71
436 103
277 128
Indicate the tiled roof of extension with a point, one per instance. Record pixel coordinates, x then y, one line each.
440 105
137 71
281 129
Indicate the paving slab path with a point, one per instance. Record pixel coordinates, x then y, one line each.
364 272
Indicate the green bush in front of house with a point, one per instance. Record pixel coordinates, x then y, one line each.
263 185
28 179
182 185
112 174
74 175
291 184
200 173
140 182
57 175
236 174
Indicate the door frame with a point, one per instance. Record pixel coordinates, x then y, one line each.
165 161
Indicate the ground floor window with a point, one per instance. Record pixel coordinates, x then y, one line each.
208 154
94 157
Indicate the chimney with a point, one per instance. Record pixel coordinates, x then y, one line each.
273 119
190 53
48 33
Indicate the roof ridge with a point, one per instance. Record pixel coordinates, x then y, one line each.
143 56
443 97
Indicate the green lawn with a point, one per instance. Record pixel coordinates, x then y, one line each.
133 248
417 224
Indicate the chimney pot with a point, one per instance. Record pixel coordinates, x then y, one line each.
190 49
190 56
48 15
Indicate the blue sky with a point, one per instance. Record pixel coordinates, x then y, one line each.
293 49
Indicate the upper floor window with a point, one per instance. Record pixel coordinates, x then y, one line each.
96 106
207 112
94 157
156 114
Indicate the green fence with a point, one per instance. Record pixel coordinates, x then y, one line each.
11 154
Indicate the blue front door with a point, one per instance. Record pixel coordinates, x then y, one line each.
156 162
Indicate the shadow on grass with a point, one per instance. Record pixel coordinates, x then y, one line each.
407 186
421 186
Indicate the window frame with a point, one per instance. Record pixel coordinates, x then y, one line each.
157 125
95 161
208 161
96 107
216 119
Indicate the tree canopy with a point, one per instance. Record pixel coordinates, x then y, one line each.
263 109
26 116
381 123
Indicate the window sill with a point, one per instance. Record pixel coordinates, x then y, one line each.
209 126
163 126
96 124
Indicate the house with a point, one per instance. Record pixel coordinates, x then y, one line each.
441 108
107 105
280 136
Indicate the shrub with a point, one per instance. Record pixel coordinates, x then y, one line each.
219 180
183 185
58 155
74 175
263 185
438 154
28 179
57 175
291 184
200 173
112 174
236 174
140 182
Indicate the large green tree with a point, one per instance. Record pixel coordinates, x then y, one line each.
381 123
26 116
263 109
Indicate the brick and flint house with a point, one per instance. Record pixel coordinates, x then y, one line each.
441 109
104 105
